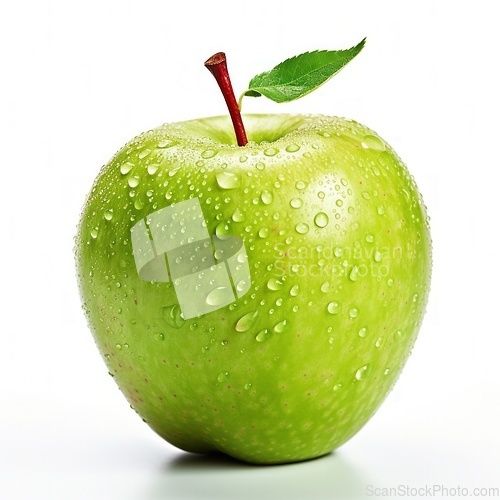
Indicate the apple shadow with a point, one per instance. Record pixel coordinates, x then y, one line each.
217 476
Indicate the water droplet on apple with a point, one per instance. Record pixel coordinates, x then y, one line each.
362 333
208 153
159 336
300 185
321 195
260 166
337 251
223 376
241 285
271 152
354 274
369 238
415 297
118 347
166 143
334 307
94 232
152 169
219 296
294 291
108 214
222 230
363 372
302 228
325 287
353 312
144 153
126 167
238 215
386 371
372 142
390 282
228 180
266 197
377 256
321 219
280 327
263 232
381 210
248 386
397 335
274 284
378 342
262 336
205 349
337 387
172 315
133 181
296 202
292 148
246 321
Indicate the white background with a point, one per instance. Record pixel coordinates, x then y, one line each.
79 79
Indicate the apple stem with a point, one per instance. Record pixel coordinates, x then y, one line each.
218 67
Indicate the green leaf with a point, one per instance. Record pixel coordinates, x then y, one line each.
301 74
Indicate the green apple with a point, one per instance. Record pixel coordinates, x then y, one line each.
258 301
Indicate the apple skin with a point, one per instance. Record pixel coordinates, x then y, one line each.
351 285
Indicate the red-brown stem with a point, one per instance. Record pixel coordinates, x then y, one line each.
218 67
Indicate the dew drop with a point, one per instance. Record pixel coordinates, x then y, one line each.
94 232
260 166
228 180
362 333
222 230
159 336
263 232
296 202
302 228
133 181
390 282
241 285
238 215
325 287
292 148
337 387
118 346
262 336
321 219
321 195
208 153
415 297
353 312
248 387
354 274
222 376
246 322
386 371
377 256
373 142
219 296
274 284
152 169
126 167
280 327
397 335
271 152
369 238
378 342
266 197
108 214
334 307
294 291
172 315
363 372
381 210
300 185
